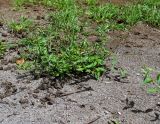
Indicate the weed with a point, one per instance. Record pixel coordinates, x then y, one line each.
25 66
123 73
103 13
113 62
121 17
2 48
23 25
76 58
19 3
65 20
148 79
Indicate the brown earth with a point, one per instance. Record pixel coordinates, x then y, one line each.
24 100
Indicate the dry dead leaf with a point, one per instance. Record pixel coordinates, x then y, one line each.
20 61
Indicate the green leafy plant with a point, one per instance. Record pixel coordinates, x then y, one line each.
121 17
2 48
28 65
148 79
61 49
65 20
103 13
23 25
76 58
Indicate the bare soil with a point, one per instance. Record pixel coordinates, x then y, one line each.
24 100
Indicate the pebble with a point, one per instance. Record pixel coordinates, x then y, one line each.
35 96
23 101
4 33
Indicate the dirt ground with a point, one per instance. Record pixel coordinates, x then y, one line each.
24 100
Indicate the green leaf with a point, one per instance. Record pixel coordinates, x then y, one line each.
148 79
153 90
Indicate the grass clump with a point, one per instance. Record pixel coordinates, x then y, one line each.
120 17
2 48
23 25
65 20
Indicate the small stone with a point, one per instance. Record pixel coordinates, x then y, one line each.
35 96
14 89
92 107
23 101
43 100
4 33
82 106
50 103
158 104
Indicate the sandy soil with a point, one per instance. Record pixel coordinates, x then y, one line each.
24 100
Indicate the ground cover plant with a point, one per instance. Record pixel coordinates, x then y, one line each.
62 48
149 79
22 25
2 48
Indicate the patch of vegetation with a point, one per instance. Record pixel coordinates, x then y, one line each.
120 17
62 48
58 51
2 48
148 79
22 25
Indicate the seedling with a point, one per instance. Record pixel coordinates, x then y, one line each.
148 79
123 73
